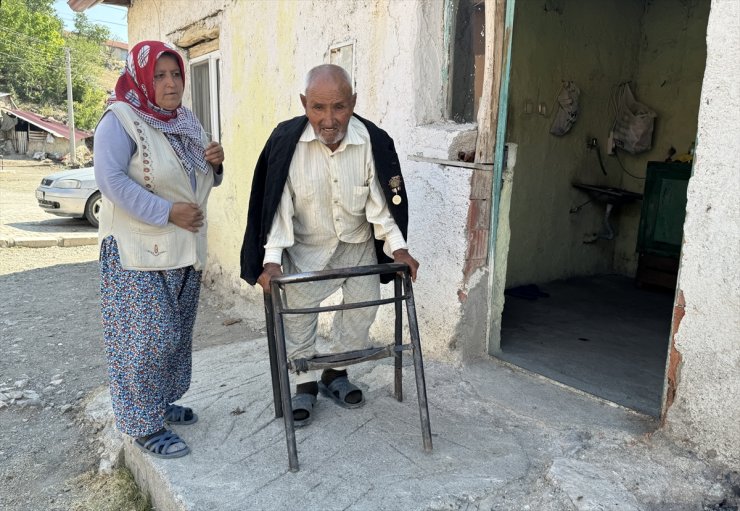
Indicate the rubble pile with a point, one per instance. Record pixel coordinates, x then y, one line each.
18 393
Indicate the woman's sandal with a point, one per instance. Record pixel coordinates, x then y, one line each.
160 445
339 389
176 414
302 402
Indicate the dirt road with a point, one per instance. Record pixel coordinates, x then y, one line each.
52 356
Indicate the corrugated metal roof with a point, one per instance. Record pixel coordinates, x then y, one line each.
117 44
81 5
55 128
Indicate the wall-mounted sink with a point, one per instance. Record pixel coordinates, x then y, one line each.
610 197
608 194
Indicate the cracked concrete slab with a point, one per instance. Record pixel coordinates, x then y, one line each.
502 440
590 488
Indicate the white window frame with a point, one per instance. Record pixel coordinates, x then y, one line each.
214 71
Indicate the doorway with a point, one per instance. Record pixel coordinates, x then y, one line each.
574 310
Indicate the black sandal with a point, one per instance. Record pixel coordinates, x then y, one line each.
176 414
339 389
302 402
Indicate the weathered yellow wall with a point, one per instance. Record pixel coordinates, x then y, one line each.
258 87
254 96
266 49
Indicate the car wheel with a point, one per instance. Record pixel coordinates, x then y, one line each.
92 209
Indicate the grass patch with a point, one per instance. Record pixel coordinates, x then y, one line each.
114 492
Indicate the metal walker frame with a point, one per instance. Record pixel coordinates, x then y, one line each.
280 365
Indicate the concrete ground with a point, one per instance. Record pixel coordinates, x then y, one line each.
503 438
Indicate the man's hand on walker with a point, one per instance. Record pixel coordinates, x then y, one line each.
270 271
402 256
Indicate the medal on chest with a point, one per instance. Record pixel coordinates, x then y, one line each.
395 185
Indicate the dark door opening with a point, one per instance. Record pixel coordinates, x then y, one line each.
589 300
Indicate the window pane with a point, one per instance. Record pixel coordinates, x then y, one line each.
201 95
468 60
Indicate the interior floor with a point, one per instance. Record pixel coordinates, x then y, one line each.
601 335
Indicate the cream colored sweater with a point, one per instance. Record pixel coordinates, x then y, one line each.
156 167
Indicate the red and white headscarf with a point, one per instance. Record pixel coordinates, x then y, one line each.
135 87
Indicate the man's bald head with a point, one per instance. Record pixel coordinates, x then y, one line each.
327 72
329 103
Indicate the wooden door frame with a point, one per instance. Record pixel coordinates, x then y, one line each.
492 119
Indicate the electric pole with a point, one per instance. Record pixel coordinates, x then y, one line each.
70 109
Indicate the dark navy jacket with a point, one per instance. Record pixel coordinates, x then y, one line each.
271 174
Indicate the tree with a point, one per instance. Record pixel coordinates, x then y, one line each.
88 68
90 107
31 50
90 31
32 60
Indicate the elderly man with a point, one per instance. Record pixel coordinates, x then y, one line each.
327 193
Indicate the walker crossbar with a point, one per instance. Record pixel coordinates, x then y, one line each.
343 306
280 365
327 361
341 273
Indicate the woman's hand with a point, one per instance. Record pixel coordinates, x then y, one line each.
214 154
186 215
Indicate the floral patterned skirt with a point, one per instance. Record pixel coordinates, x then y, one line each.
148 319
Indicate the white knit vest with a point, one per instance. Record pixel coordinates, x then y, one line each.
156 167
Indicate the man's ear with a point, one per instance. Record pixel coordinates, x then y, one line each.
354 100
303 100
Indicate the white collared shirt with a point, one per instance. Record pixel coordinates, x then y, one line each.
330 197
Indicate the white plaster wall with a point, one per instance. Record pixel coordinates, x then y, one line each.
266 49
706 411
438 240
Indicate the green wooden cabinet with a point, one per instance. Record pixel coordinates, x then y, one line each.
661 222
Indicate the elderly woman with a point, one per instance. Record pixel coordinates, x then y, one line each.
155 169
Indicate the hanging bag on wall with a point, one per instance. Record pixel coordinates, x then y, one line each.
567 109
633 126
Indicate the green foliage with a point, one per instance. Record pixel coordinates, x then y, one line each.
89 108
88 65
33 63
31 50
90 31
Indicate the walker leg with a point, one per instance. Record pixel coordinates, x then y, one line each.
274 368
285 385
398 357
421 389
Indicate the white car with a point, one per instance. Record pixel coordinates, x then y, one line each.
71 193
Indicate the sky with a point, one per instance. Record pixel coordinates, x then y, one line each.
110 16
